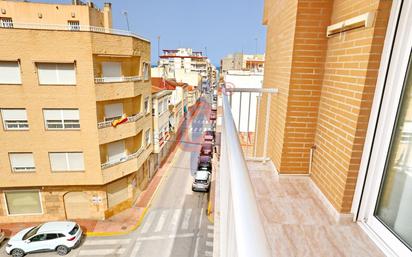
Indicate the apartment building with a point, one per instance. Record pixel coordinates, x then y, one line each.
241 61
75 112
342 114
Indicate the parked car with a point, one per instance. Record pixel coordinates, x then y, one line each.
2 235
214 107
206 150
59 236
204 163
213 116
209 136
201 181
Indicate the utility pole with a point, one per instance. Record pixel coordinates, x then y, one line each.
205 50
256 46
127 20
158 50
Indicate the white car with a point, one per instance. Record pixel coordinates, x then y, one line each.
59 236
202 181
2 236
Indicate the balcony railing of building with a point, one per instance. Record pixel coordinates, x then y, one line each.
118 79
241 227
124 159
108 123
69 27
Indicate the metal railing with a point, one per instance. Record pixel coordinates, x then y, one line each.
118 79
69 27
241 228
108 123
124 159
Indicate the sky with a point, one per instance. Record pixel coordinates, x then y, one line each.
220 26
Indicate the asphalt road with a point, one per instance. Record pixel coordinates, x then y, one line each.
176 224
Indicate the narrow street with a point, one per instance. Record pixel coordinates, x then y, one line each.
176 224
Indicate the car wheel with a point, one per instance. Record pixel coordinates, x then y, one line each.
17 253
62 250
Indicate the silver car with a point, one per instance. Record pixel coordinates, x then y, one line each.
201 181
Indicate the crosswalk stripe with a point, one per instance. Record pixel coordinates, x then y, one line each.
208 253
161 221
102 252
209 243
107 242
148 222
175 220
136 249
210 227
151 238
210 235
186 218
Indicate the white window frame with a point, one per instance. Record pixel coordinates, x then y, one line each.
62 120
58 83
146 105
67 162
73 25
6 22
381 124
25 169
147 140
19 123
25 214
19 82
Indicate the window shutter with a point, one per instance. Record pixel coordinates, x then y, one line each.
58 161
56 73
71 115
116 151
76 161
66 73
47 73
52 115
10 73
113 110
21 160
14 114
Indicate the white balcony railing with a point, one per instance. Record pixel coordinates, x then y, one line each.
68 27
108 123
241 229
118 79
124 159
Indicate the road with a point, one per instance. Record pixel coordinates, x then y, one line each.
176 224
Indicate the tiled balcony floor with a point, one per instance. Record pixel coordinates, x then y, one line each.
298 224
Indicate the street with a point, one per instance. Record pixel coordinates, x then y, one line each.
176 224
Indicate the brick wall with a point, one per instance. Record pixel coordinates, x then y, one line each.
326 87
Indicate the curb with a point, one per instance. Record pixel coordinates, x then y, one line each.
139 221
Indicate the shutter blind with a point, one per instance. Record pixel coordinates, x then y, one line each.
56 73
22 161
14 114
10 73
113 110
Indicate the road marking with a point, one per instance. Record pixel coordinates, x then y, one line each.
175 220
107 242
150 238
102 252
136 249
161 221
200 218
208 253
186 219
209 243
197 239
210 235
148 222
210 227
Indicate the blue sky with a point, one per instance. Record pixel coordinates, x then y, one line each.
223 26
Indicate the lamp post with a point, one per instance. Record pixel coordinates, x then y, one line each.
127 19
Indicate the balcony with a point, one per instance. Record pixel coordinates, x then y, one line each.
72 28
114 90
261 213
134 118
118 79
108 133
125 159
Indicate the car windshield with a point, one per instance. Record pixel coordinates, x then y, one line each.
74 230
31 232
201 181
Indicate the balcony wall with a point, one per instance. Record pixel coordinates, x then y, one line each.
120 90
131 106
131 65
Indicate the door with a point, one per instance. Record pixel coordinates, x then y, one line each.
112 71
116 151
113 111
386 208
37 243
77 205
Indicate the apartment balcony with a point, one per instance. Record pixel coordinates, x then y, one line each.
118 88
261 213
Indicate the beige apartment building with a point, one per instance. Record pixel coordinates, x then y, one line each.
342 68
75 112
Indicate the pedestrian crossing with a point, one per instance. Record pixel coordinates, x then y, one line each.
167 220
198 129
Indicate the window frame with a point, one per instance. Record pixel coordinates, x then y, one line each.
67 162
23 214
147 141
14 129
62 120
19 66
23 171
56 64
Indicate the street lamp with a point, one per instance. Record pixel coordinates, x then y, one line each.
127 19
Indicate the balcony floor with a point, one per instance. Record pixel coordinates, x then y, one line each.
296 221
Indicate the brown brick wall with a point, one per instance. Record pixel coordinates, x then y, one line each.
326 87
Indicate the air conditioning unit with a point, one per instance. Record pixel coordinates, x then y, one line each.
362 21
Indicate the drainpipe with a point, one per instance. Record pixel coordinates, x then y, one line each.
312 151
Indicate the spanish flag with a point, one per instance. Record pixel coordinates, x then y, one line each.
119 121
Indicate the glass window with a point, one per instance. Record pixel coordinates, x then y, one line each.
61 118
51 236
56 73
15 119
394 206
6 22
39 238
66 161
23 202
10 72
22 162
73 25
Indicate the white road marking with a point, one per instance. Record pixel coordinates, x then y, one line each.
186 219
161 221
148 222
209 243
210 235
200 218
208 253
175 220
197 239
149 238
136 249
210 227
107 242
102 252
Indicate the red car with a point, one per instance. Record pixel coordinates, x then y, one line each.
206 150
213 116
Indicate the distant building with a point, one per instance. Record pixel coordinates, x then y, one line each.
240 61
75 112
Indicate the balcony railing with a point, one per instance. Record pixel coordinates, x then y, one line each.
68 27
118 79
124 159
241 227
108 123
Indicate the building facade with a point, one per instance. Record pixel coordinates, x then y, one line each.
75 115
343 72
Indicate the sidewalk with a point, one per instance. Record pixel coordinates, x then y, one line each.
122 223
